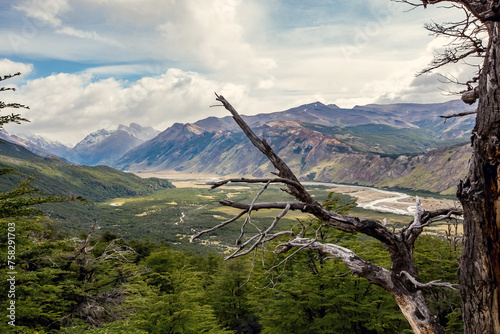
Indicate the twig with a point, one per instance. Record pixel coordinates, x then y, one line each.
459 114
261 236
249 212
431 284
229 221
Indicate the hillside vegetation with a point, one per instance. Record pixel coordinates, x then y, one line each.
54 176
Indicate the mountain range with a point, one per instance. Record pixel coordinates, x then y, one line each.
397 145
36 144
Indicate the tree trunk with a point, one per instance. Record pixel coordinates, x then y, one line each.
408 295
415 310
479 194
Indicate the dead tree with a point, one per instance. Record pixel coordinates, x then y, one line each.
479 191
401 280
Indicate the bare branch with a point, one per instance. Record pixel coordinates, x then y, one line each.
216 184
215 228
430 284
354 262
399 245
283 170
459 114
249 212
345 223
266 205
425 218
261 236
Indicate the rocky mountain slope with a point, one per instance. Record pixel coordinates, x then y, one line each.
399 145
104 147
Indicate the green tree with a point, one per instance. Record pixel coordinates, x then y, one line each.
230 296
172 297
314 293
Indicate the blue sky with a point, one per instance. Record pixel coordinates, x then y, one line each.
91 64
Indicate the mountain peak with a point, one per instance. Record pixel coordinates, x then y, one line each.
105 146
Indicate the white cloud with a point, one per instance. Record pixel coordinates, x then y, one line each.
67 107
213 36
70 31
8 66
45 11
209 33
51 13
262 55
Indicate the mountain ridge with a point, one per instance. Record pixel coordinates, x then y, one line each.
319 143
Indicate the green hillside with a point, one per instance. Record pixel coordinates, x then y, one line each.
57 177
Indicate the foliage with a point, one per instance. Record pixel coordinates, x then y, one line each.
21 201
437 260
12 118
161 290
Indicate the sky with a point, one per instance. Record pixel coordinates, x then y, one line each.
93 64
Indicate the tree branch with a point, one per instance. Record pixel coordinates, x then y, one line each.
459 114
215 228
216 184
430 284
261 237
354 262
284 171
423 219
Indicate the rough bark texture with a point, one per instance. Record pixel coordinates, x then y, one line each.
479 195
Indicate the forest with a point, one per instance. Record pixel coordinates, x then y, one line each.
99 282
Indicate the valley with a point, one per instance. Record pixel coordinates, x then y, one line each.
141 247
173 215
381 155
395 146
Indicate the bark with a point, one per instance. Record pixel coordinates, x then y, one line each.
479 195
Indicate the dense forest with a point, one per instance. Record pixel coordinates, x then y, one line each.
102 283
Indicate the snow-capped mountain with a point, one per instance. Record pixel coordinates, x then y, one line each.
37 144
53 146
104 147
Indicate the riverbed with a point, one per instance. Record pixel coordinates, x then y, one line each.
367 197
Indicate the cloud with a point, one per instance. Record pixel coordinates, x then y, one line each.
65 30
45 11
51 13
8 66
262 55
67 107
212 34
